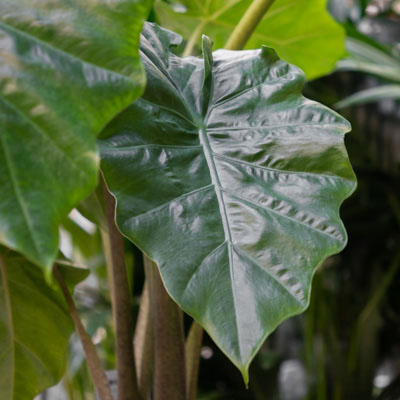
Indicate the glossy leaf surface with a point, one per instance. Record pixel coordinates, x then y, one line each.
34 328
231 181
66 69
301 31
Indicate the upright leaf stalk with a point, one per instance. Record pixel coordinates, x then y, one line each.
248 24
169 345
94 364
121 305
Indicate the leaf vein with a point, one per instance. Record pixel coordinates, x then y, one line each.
271 274
161 206
200 265
280 171
268 208
41 42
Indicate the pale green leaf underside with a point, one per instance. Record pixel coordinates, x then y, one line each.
34 329
66 69
301 31
231 181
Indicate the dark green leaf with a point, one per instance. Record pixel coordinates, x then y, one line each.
301 31
231 181
66 69
34 327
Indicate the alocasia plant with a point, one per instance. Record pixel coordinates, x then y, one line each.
224 174
231 181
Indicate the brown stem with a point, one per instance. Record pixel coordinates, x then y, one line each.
169 345
121 306
193 348
95 366
143 343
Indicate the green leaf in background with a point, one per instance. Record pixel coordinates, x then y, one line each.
301 31
231 181
378 93
365 56
34 327
66 69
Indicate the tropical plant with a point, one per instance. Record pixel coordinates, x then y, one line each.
222 173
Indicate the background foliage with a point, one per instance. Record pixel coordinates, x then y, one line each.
345 346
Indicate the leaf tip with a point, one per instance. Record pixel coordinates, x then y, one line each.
244 369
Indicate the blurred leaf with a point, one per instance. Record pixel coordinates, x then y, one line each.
86 247
34 327
67 68
72 273
301 31
231 181
369 95
368 58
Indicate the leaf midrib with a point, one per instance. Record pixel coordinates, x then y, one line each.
208 153
3 272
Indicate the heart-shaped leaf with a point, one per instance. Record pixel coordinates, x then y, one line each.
66 69
231 181
34 327
301 31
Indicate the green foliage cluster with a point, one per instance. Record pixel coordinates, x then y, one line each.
224 174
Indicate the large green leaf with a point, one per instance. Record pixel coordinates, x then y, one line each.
231 182
34 328
66 69
301 31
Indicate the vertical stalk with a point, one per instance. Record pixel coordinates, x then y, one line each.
365 317
192 359
121 305
169 345
248 24
143 343
95 366
193 39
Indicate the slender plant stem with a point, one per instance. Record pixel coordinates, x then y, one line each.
193 348
248 24
143 343
121 305
169 344
368 311
95 366
194 39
